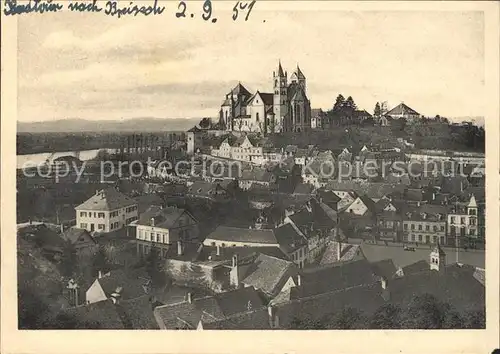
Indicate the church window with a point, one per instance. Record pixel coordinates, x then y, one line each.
257 116
276 83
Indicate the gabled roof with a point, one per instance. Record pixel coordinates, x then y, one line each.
267 98
288 238
74 234
402 109
99 315
164 218
256 174
236 234
132 284
207 309
253 319
106 200
138 313
334 277
268 274
240 90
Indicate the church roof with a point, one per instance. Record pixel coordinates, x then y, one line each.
267 98
402 109
240 90
299 73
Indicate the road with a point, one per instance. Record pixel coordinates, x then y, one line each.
402 258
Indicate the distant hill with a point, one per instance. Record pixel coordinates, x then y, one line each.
126 125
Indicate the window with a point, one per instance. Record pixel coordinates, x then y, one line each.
435 228
413 238
83 226
419 238
140 234
100 226
101 215
405 226
442 227
405 237
413 226
452 219
83 214
462 221
427 228
472 232
472 211
257 116
419 227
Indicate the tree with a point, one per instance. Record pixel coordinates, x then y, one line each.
424 312
347 318
386 317
100 262
154 267
69 260
205 123
350 105
377 112
339 104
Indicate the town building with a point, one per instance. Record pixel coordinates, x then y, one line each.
194 140
248 149
463 221
164 228
318 118
287 108
106 211
425 224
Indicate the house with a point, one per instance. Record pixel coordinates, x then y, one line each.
318 117
250 149
81 240
107 210
463 221
253 319
425 224
188 314
315 225
118 285
390 226
346 200
164 227
292 243
257 176
403 111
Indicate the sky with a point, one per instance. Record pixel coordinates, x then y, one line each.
91 66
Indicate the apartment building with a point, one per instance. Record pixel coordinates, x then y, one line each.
426 224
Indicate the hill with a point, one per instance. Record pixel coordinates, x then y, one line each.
71 125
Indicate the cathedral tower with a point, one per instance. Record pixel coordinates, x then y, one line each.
280 101
299 77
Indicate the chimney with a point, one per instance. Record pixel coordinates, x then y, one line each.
218 250
339 250
235 261
234 275
190 298
62 228
299 280
179 248
461 186
153 222
383 283
433 196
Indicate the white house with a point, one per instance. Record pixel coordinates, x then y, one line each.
107 210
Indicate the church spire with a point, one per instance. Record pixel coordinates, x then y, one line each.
280 69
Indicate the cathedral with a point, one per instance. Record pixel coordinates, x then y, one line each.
286 109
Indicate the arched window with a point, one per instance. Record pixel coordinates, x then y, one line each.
257 116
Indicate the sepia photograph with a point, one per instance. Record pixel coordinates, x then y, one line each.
251 165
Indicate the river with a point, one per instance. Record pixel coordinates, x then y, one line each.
33 160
